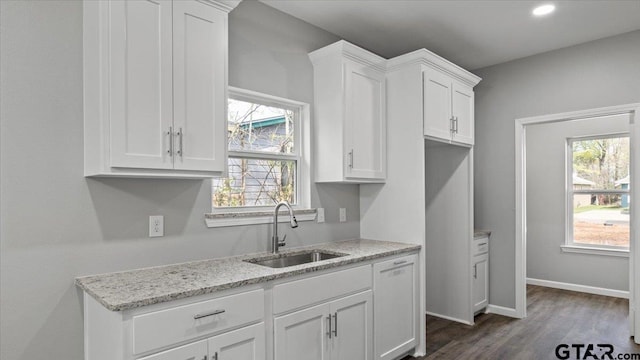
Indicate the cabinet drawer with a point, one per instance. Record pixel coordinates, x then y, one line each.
395 263
480 246
304 292
170 326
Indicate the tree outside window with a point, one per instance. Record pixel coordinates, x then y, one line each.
263 156
598 195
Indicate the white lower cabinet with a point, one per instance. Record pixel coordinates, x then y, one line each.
396 307
195 351
351 336
480 282
338 330
328 316
480 273
242 344
302 334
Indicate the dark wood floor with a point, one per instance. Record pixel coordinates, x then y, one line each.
553 317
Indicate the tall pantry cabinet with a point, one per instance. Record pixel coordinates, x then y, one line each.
428 194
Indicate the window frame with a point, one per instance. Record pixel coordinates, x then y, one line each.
569 244
247 215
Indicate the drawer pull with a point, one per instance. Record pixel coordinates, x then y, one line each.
400 262
483 244
200 316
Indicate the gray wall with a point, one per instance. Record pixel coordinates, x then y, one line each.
546 173
596 74
57 225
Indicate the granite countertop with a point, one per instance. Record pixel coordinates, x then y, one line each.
478 234
130 289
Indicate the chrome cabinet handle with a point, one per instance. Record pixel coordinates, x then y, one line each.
215 356
475 271
179 152
211 313
170 133
400 262
329 332
451 124
455 122
335 324
351 159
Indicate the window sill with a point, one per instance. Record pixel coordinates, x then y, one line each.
594 250
224 219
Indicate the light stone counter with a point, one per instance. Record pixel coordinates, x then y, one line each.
130 289
479 234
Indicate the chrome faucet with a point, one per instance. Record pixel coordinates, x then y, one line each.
276 243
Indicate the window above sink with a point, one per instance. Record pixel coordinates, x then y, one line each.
268 160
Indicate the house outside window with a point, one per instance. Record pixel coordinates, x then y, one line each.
265 154
598 192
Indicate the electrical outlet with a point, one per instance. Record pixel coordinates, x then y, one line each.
156 225
343 215
320 216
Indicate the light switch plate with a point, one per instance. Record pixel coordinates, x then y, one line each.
320 216
343 214
156 225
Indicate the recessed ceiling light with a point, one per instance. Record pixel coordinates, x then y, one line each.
544 10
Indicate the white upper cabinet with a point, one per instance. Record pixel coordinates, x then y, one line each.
155 80
350 114
140 88
437 104
200 86
448 108
462 104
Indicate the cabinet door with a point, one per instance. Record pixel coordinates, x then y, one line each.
462 105
395 306
365 122
437 104
480 282
302 334
140 84
199 70
244 344
352 327
194 351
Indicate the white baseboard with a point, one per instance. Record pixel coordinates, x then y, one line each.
579 288
449 318
501 310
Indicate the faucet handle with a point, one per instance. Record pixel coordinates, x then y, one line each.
282 242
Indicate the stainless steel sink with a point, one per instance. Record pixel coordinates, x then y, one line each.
285 260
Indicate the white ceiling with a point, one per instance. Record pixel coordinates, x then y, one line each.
470 33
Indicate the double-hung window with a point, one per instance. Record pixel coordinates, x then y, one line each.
598 198
266 157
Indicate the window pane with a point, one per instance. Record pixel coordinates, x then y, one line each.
255 182
257 127
595 224
601 163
